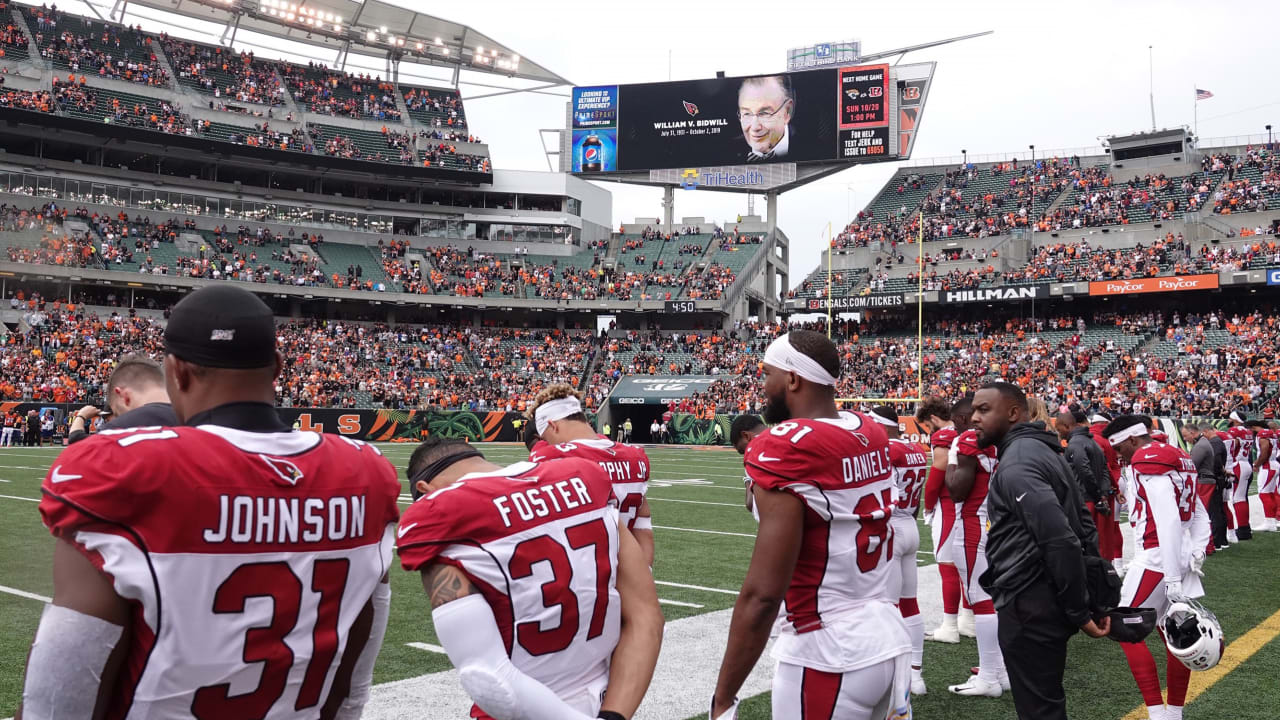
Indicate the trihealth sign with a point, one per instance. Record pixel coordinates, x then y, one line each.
692 178
1153 285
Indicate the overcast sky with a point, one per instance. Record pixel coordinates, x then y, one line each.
1057 77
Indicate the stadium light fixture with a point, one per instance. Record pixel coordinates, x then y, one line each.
370 36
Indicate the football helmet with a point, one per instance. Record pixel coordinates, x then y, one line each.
1193 635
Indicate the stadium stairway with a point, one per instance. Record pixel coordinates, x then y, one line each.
30 50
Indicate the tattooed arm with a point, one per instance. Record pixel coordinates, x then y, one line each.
469 633
444 584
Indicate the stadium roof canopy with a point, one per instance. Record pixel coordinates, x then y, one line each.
372 28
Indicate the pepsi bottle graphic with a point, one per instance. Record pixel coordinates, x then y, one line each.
592 154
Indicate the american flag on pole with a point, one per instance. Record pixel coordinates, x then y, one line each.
1203 94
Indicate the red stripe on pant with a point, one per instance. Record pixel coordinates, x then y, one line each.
972 528
819 692
1150 581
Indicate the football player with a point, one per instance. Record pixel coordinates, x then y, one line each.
232 568
1110 540
1170 530
968 475
1266 467
1239 473
937 418
744 429
540 596
560 423
824 492
910 462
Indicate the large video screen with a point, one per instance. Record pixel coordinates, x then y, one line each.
817 115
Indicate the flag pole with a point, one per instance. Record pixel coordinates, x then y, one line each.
829 300
1195 127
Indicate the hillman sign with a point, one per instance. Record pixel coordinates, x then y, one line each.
1025 292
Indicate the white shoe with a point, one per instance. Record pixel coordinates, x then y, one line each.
1231 537
1005 685
917 683
965 625
1271 525
977 687
944 634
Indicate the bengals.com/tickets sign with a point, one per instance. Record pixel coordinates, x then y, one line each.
1155 284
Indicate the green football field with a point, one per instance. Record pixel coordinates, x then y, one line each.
704 537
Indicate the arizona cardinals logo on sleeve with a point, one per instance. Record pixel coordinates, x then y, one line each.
690 108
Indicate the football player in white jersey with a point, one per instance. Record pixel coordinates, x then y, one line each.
540 596
558 418
824 492
1170 530
230 568
911 462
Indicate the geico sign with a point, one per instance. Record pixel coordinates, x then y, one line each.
1156 284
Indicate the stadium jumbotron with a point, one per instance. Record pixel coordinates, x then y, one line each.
542 389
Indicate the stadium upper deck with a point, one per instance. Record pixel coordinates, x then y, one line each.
104 72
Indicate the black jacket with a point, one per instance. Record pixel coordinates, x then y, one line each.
1219 461
1040 528
1088 464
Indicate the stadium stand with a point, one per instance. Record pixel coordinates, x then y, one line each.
222 73
104 50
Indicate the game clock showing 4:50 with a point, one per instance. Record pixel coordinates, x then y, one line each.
679 306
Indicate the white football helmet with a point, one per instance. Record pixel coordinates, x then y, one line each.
1193 635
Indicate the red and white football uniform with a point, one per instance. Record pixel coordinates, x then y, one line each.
1269 473
540 543
910 463
970 542
1169 523
626 465
246 556
944 518
840 616
1240 470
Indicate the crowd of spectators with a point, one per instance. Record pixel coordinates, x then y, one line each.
251 81
108 51
1239 193
1178 364
329 92
263 135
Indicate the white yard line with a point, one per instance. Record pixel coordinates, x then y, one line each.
426 646
677 603
695 502
24 594
696 587
15 497
706 532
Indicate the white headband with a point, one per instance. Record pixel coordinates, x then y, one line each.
1236 416
883 420
553 410
1098 419
1133 431
783 355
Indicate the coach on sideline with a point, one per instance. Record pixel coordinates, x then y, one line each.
135 394
1039 534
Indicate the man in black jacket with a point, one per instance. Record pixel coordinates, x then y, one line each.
1035 551
1088 464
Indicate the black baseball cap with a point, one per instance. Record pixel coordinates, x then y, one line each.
222 326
